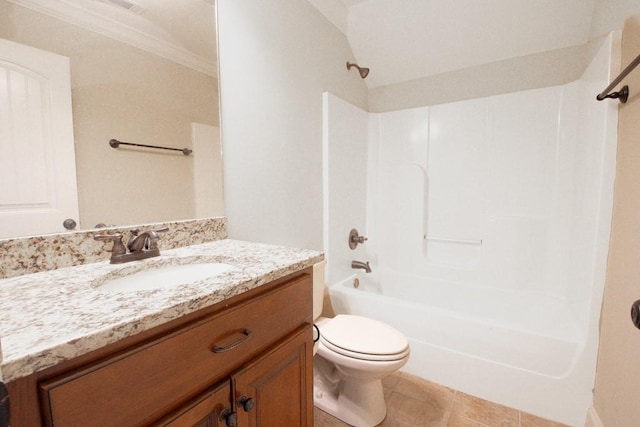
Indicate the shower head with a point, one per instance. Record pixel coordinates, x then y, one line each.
364 72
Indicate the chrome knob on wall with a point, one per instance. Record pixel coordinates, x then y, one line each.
69 224
355 238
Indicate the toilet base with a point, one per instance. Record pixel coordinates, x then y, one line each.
359 403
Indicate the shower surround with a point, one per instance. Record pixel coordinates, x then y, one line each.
488 223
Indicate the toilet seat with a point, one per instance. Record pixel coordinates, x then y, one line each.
363 338
365 356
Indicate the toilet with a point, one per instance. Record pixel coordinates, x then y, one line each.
352 355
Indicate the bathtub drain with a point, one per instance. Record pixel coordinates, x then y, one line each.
356 282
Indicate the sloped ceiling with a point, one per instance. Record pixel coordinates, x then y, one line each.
402 40
399 40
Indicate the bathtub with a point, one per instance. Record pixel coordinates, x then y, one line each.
521 350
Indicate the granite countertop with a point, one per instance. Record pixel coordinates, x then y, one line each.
49 317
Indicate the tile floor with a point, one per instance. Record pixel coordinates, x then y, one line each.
414 402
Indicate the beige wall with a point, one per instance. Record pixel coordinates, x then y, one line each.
618 373
119 91
545 69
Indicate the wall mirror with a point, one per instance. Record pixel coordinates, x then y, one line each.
141 71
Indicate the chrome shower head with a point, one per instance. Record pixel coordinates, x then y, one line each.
364 72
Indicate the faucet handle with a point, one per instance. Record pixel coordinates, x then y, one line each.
147 240
118 247
153 236
136 231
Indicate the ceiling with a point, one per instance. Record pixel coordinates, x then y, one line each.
183 31
402 40
399 40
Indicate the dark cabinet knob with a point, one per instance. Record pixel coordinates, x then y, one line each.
247 403
230 418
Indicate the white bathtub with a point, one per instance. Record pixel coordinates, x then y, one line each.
510 196
520 350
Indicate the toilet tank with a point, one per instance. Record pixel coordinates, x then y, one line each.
318 288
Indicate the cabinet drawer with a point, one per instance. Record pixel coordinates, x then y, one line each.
139 385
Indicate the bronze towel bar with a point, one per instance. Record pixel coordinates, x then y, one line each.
623 94
115 144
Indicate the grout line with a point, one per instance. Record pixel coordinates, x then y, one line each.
453 400
450 410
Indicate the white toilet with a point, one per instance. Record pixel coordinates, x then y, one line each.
352 355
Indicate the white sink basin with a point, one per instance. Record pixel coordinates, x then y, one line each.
166 276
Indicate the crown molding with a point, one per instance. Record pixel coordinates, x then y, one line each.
83 17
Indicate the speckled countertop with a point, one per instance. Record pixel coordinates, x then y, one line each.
52 316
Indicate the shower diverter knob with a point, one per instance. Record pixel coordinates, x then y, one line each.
355 238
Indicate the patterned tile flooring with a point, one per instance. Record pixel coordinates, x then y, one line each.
414 402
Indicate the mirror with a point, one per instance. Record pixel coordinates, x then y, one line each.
142 71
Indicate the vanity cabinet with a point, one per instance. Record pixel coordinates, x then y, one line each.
268 392
248 358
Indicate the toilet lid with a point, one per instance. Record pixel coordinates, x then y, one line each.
363 335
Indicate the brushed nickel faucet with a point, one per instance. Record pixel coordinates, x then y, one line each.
141 245
363 265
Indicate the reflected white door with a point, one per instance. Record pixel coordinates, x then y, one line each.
37 159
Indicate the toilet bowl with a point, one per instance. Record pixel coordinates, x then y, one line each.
352 355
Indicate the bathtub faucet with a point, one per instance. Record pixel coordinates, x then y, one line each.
363 265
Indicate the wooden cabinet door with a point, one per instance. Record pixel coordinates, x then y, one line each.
207 410
276 390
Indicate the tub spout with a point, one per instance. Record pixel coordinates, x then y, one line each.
363 265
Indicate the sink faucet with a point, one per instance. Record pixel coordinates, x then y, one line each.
141 245
363 265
